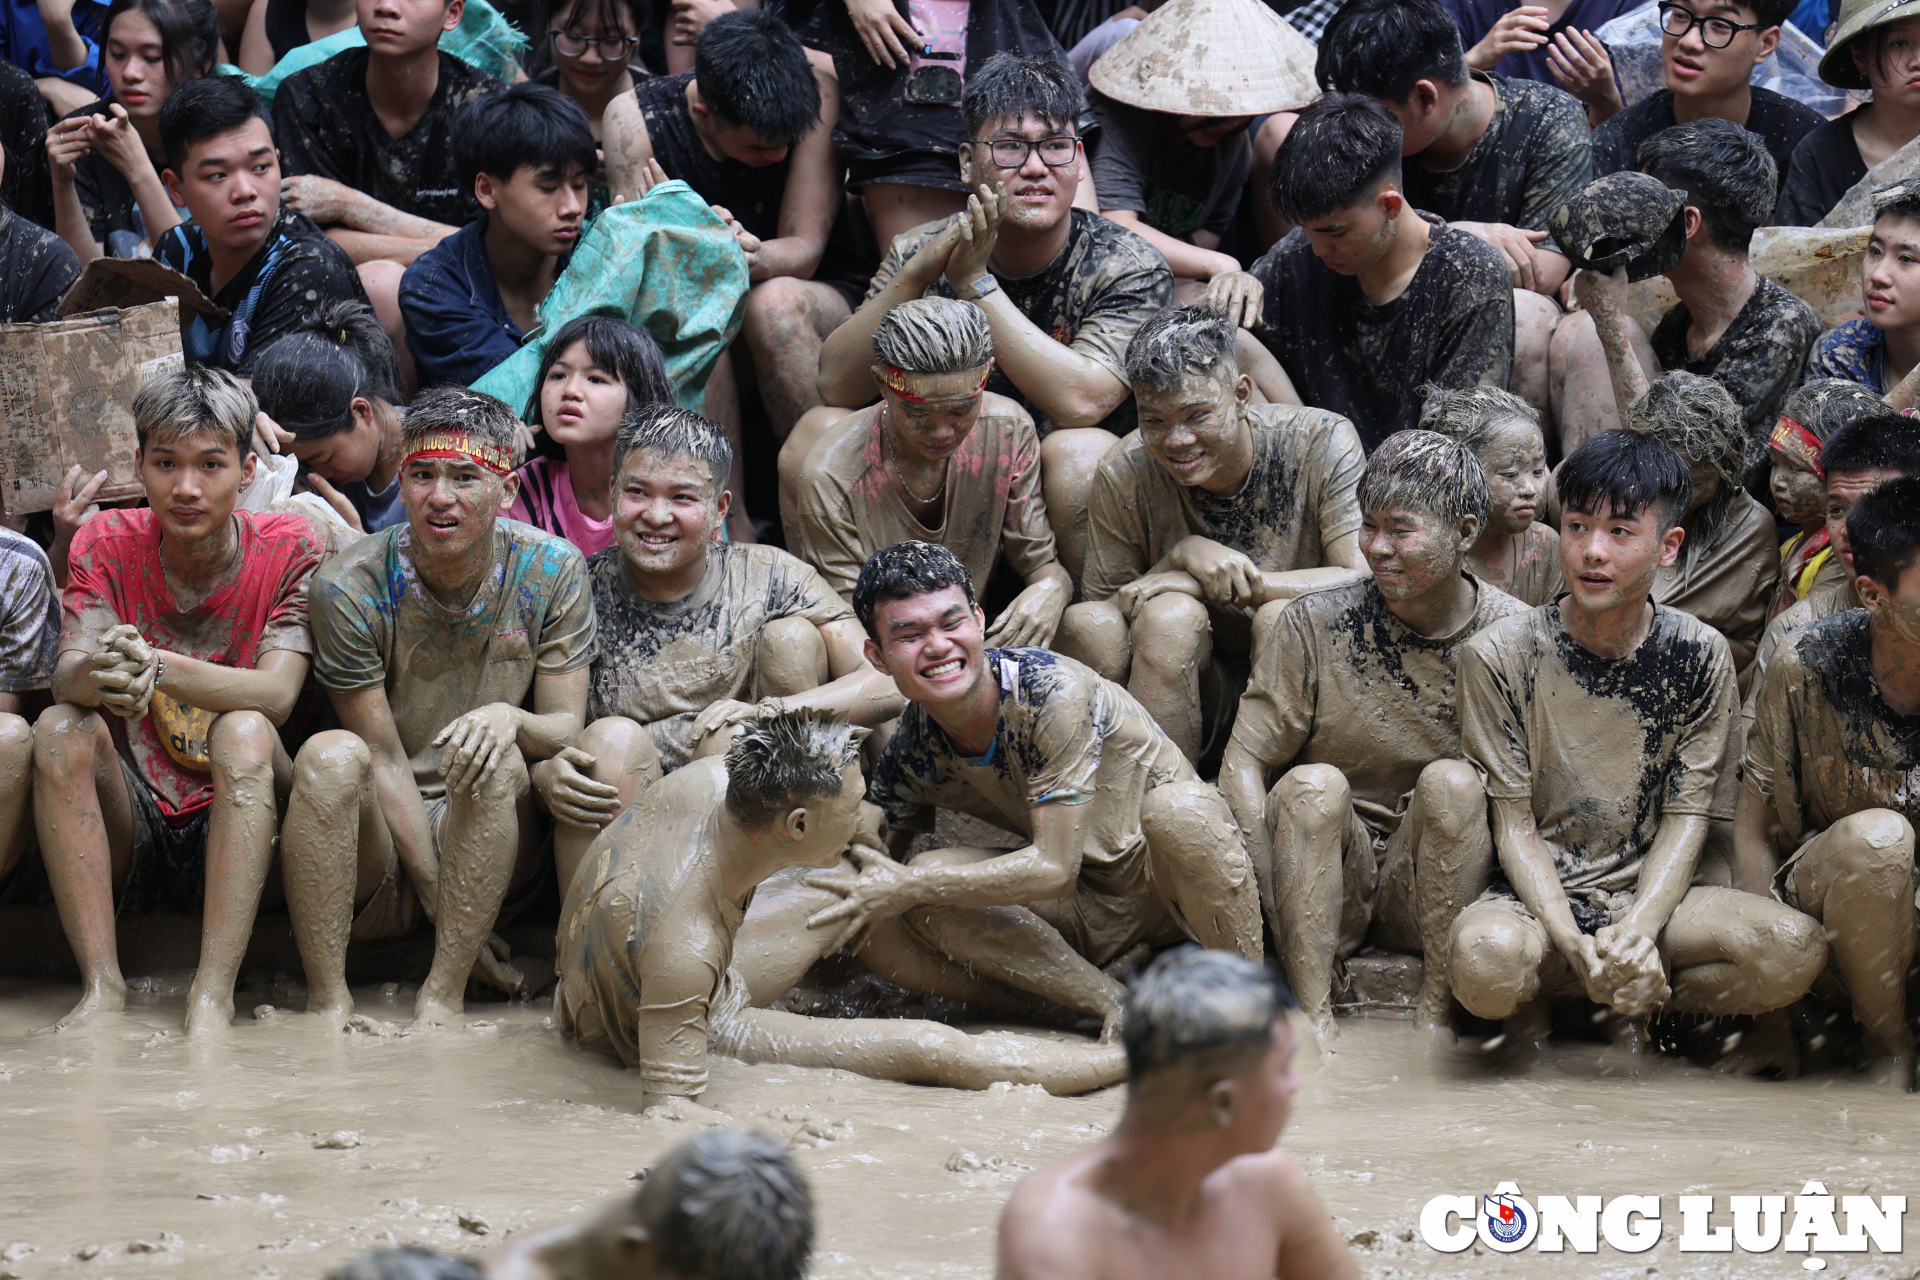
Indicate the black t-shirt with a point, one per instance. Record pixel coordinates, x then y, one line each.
1452 327
1141 163
1825 166
1761 356
287 26
326 125
36 268
28 187
1536 155
1776 120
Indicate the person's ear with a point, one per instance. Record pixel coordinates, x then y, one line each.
1768 42
1243 389
456 9
171 181
1222 1101
980 616
1424 100
1873 596
725 504
966 165
483 192
795 826
875 659
1469 532
509 489
1670 546
247 468
362 411
1391 203
1695 222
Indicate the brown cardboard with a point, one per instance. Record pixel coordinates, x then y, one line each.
133 282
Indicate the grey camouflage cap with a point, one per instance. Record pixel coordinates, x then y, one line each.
1630 220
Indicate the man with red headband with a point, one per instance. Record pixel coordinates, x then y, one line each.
429 638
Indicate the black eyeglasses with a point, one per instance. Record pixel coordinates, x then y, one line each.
1716 33
610 48
1012 153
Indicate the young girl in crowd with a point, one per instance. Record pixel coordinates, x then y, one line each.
1799 483
585 49
597 369
1515 552
106 158
333 391
1875 46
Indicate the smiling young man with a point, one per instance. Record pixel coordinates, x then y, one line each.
470 301
454 648
696 635
187 620
1372 827
1212 509
267 265
1601 725
1881 348
1370 299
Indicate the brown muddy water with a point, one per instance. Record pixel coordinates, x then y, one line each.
127 1152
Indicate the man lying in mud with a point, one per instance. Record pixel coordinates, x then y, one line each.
1127 845
1828 776
1601 725
187 620
1190 1183
1212 509
1375 828
646 950
694 634
429 638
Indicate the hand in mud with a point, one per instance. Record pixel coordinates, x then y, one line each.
1136 593
322 199
1632 968
1516 244
1226 576
877 893
883 31
570 795
323 488
1032 617
476 743
979 228
1238 296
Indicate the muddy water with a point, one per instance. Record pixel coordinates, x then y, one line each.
286 1149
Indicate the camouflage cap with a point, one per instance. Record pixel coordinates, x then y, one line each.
1630 220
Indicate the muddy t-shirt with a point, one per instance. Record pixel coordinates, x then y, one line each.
326 125
1536 155
1824 743
1143 164
1453 327
1296 501
1777 120
1759 359
850 507
375 624
1537 578
29 615
1342 681
1822 602
1103 286
663 664
1604 749
37 268
1727 579
647 934
1825 166
114 575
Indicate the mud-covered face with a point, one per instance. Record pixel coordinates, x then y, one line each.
832 820
1412 551
344 456
932 414
1516 467
1197 429
1799 495
1844 488
1609 561
1039 195
452 505
192 483
665 511
933 645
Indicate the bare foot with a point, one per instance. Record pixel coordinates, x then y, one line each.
335 1012
430 1012
1769 1045
1892 1072
101 996
1434 1012
208 1015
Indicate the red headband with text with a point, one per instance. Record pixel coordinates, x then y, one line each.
462 446
1798 443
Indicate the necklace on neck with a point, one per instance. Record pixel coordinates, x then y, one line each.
899 472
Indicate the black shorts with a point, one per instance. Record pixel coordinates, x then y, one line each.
169 868
937 169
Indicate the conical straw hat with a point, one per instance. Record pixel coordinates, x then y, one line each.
1210 58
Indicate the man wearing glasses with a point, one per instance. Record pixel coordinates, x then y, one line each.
1708 52
1063 289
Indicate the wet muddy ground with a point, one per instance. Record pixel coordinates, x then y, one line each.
127 1152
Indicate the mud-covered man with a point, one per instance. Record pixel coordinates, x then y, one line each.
1213 508
1375 829
29 648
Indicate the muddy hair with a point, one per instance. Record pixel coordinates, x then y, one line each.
1473 416
408 1262
1883 529
1178 343
736 1208
1697 419
1428 472
460 409
1009 85
614 344
1824 405
179 402
1342 149
1900 200
752 70
1620 474
934 335
1726 172
673 432
307 381
787 759
902 571
1193 1003
1382 48
1885 440
189 34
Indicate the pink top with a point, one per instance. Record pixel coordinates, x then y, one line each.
546 502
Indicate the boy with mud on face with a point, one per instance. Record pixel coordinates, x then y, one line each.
1213 509
1375 827
1600 726
433 639
1515 551
188 621
692 632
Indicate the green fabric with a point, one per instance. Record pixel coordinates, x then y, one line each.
484 39
667 263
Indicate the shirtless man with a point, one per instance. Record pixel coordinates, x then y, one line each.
1601 725
1190 1183
1212 509
692 632
433 638
1128 846
1828 776
1375 828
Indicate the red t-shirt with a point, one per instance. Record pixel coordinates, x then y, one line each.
114 575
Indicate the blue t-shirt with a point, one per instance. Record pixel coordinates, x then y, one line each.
1855 351
1476 18
457 325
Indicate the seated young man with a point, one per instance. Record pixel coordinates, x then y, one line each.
1372 825
469 301
1731 324
1063 288
1882 347
692 632
1209 511
1828 775
266 264
454 649
188 621
1128 845
1370 299
939 459
1601 726
1192 1181
29 649
749 129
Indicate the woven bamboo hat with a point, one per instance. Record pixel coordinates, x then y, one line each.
1210 58
1857 17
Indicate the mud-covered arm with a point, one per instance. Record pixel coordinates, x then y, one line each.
1528 864
1605 299
627 147
1754 860
367 714
1344 564
856 692
846 358
271 688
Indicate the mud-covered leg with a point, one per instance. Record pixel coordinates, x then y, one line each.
1453 863
246 755
1068 460
334 851
85 823
479 844
1172 640
1497 954
16 790
1201 864
1096 633
623 757
1308 812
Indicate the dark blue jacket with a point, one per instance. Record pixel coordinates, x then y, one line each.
457 326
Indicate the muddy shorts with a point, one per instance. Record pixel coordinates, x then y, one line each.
1788 892
394 910
169 867
1592 912
937 169
1377 888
